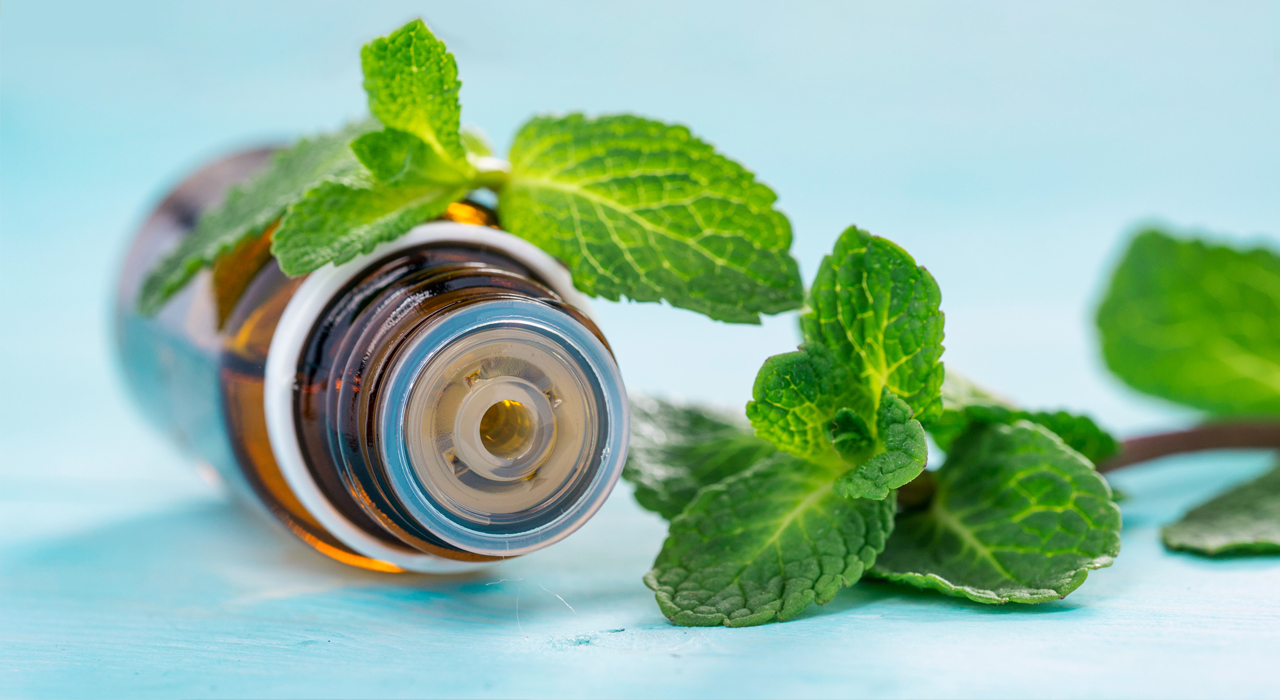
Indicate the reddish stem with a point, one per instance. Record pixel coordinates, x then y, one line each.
1243 435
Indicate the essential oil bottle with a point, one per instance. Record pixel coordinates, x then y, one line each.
438 403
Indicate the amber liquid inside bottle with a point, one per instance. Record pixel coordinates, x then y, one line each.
437 403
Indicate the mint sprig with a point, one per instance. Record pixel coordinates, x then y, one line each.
771 538
636 208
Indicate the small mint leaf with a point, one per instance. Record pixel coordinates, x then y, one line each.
851 435
337 221
1243 520
392 155
1194 323
251 207
678 449
878 313
764 544
646 210
411 80
900 453
1017 517
795 398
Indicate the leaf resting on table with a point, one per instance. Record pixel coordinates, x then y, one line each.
646 210
1243 520
1195 323
764 544
678 449
1017 517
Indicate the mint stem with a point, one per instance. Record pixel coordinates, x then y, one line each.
1232 435
1235 435
492 173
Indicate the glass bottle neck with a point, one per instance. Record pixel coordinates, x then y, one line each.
448 401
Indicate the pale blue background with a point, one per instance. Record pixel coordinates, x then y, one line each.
1009 146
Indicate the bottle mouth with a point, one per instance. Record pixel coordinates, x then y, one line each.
506 426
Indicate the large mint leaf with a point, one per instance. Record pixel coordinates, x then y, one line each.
646 210
878 312
888 457
1243 520
251 207
764 544
412 83
965 404
1017 517
1195 323
678 449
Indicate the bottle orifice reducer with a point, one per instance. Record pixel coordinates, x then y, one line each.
440 402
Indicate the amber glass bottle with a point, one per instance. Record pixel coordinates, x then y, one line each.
440 402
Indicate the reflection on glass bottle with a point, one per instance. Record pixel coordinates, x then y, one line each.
437 403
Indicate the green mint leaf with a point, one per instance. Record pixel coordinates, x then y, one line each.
646 210
795 398
878 313
251 207
764 544
873 333
337 221
965 404
678 449
1017 517
412 83
1195 323
889 460
1243 520
475 142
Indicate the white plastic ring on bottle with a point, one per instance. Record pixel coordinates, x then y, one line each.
300 315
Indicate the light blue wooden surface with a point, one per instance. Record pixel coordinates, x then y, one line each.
1007 147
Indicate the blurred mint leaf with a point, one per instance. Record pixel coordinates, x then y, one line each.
895 455
475 143
765 543
1017 517
253 206
964 404
878 313
411 80
678 449
1195 323
646 210
1243 520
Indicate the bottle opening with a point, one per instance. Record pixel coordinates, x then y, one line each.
506 429
511 431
